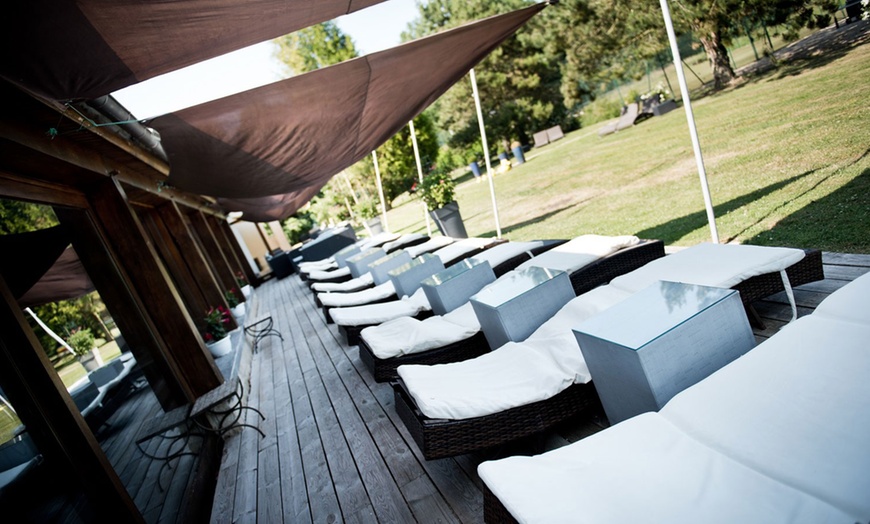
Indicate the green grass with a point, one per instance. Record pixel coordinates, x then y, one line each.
786 155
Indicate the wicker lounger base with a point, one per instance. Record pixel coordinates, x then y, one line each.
384 369
439 438
494 511
808 269
350 334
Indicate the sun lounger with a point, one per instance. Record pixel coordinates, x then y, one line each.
778 435
352 320
457 336
448 417
626 120
327 264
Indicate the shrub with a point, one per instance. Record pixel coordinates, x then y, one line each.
231 297
366 208
436 191
600 110
81 340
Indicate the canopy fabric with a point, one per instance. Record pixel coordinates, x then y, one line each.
66 279
67 49
39 268
289 137
267 209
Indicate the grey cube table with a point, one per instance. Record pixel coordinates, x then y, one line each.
406 279
359 263
380 268
449 289
646 349
342 256
515 306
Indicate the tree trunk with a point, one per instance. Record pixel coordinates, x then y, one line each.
718 57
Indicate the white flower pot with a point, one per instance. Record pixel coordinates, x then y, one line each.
221 347
239 312
247 290
91 361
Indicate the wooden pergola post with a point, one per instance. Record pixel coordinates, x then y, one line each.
226 240
214 253
52 419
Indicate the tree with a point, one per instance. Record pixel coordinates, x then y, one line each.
519 82
314 47
17 216
715 22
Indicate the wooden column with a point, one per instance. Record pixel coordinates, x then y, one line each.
52 419
213 251
174 260
235 256
148 277
127 308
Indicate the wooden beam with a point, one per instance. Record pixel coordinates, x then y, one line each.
22 188
128 309
151 282
236 248
52 419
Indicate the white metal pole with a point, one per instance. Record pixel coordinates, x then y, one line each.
48 330
687 103
420 174
485 153
381 192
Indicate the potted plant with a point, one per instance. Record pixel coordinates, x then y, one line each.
245 288
216 336
367 211
237 307
81 340
437 192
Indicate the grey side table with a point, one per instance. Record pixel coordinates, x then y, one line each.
359 263
342 256
661 340
406 279
515 306
380 268
449 289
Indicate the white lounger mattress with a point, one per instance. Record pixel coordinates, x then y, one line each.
348 286
795 412
323 275
385 290
377 313
437 395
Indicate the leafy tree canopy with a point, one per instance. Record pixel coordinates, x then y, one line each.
314 47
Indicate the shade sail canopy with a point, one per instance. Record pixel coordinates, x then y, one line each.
67 49
39 267
290 137
267 209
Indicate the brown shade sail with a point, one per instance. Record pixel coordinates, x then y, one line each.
39 268
267 209
67 49
290 137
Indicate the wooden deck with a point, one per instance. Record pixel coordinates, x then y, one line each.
335 450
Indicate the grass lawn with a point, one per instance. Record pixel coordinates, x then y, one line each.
786 154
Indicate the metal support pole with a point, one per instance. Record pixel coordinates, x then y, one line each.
690 117
381 192
489 172
420 175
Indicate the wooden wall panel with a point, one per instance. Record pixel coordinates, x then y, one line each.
212 250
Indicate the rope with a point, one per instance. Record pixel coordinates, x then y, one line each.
790 293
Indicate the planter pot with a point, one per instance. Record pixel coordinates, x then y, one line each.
91 361
221 347
238 312
518 155
475 169
449 220
247 290
374 226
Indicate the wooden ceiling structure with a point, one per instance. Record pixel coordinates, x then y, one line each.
158 257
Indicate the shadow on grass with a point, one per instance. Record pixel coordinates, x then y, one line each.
507 229
673 230
816 50
840 219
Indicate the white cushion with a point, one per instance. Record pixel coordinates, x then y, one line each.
503 252
515 374
366 296
348 286
378 313
796 408
407 335
460 248
323 275
317 265
402 240
849 303
432 244
645 470
377 240
715 265
579 252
